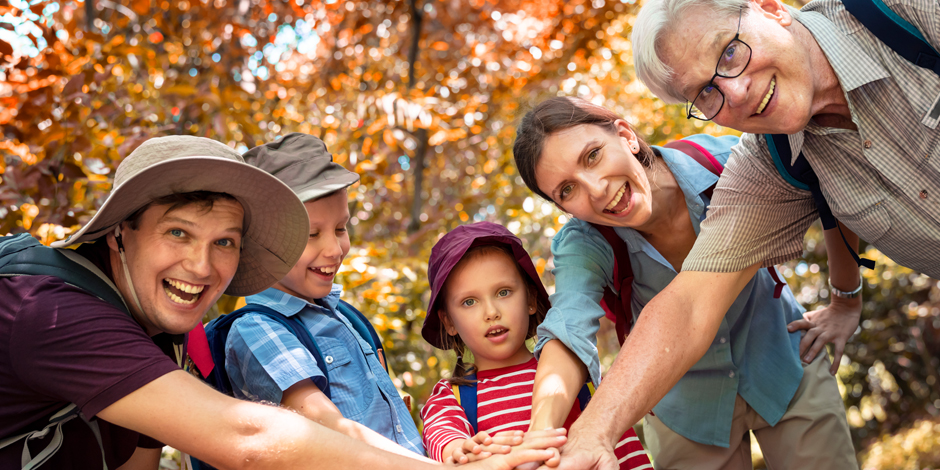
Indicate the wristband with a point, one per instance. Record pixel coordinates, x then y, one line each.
846 295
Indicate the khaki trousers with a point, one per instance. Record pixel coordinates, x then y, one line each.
813 433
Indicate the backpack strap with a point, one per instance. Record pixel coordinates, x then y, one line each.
23 255
617 305
585 394
707 160
902 37
364 327
467 399
700 155
800 174
56 421
217 333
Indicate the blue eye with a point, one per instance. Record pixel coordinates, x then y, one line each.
176 232
729 52
707 91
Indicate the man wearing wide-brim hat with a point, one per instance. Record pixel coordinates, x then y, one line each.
186 221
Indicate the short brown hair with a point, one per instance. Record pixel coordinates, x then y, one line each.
206 199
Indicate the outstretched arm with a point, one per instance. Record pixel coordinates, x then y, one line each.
558 379
185 413
307 399
674 332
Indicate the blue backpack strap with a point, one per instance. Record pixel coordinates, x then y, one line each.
23 255
585 394
800 174
365 330
217 333
902 37
467 398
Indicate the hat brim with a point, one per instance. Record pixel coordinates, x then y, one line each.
276 221
317 189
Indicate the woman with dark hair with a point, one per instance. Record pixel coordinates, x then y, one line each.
590 163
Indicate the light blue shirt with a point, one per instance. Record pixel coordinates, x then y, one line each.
752 355
263 359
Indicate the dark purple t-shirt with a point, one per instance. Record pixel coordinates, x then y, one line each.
61 345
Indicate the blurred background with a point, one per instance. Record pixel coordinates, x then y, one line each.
420 97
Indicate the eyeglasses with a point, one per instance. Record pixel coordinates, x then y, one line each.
731 64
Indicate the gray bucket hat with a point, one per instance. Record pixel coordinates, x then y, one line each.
276 225
304 164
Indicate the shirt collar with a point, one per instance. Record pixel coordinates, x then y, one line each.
288 305
852 65
693 180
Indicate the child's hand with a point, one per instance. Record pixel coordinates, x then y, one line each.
482 445
551 439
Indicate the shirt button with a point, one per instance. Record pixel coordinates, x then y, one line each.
868 144
731 374
398 428
923 194
328 359
722 340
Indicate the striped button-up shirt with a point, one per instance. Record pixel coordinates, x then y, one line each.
263 359
882 181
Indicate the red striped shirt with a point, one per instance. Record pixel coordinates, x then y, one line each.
504 403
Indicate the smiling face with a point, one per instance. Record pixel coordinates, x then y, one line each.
776 91
312 277
180 262
595 176
488 305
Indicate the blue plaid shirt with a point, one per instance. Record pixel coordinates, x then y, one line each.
262 359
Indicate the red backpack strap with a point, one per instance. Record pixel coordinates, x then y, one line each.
702 156
707 160
617 304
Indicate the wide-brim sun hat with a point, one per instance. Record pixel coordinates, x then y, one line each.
275 222
447 253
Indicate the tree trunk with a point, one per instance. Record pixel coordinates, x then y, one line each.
417 201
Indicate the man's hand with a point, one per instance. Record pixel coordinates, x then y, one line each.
585 454
482 445
834 324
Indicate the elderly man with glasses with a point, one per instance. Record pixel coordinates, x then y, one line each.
864 117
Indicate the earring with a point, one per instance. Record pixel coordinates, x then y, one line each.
531 308
634 147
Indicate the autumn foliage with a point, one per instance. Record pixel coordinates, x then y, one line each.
420 97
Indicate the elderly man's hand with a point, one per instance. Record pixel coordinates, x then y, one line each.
834 324
585 453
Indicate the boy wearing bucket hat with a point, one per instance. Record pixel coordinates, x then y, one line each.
186 220
348 388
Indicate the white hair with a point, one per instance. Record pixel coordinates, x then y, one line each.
655 18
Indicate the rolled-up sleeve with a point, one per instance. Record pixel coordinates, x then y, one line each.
263 359
755 215
583 267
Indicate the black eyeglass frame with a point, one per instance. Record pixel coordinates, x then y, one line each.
737 38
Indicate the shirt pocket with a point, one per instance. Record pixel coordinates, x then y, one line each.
870 224
351 387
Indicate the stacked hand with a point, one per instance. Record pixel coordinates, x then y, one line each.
512 448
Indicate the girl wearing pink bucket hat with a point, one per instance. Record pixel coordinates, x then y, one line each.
487 300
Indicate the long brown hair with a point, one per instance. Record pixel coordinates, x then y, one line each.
463 368
557 114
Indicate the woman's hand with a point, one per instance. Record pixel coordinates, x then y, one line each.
834 324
